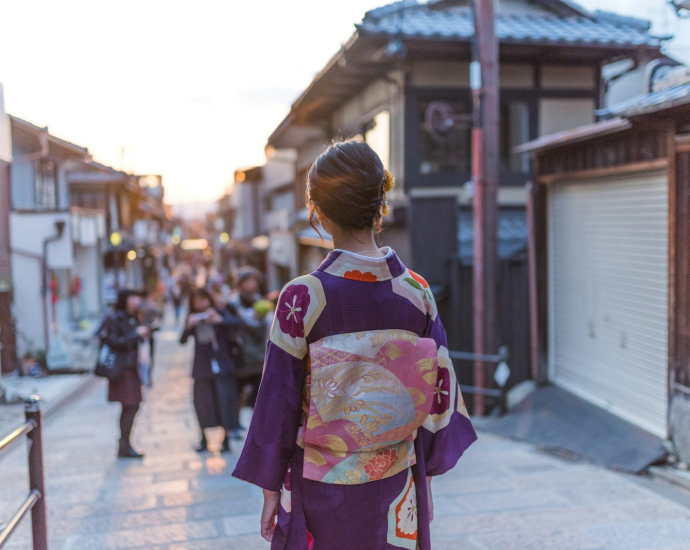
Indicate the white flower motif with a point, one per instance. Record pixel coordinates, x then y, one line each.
440 391
407 517
292 308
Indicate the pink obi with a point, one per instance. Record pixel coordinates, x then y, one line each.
369 392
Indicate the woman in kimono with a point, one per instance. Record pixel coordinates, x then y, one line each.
359 407
216 399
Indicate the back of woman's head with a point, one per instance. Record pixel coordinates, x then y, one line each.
347 183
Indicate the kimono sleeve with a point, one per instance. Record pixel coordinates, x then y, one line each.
448 431
278 412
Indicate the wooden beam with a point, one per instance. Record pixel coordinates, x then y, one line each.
656 164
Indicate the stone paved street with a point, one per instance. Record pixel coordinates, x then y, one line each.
504 495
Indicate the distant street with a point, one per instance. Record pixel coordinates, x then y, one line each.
504 495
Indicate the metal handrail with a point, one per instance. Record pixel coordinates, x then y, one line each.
29 503
35 502
500 393
11 439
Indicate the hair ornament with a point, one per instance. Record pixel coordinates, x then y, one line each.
388 182
384 211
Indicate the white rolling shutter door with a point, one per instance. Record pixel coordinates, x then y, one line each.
608 294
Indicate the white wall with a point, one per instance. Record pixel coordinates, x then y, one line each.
27 232
86 264
557 115
28 305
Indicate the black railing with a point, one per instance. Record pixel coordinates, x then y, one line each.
498 395
36 501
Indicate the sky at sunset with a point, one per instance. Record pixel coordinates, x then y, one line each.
188 90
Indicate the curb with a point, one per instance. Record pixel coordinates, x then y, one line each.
80 389
676 477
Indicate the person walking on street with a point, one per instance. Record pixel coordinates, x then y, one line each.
123 334
216 399
359 405
248 284
150 318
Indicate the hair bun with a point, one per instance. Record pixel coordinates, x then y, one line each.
388 182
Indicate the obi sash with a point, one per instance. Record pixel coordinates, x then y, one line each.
367 395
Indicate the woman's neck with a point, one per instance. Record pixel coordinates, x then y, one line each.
360 242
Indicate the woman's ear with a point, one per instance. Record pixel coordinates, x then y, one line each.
324 221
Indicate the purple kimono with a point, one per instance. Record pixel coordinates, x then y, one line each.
358 404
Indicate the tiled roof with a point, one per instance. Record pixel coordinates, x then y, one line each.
650 103
417 22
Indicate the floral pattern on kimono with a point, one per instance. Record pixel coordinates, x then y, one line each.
299 306
414 288
303 407
402 517
370 391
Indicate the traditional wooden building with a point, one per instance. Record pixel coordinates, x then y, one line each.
610 261
402 84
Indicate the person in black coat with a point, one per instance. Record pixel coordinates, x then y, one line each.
216 399
122 334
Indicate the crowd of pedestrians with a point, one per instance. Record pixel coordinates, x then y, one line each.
229 321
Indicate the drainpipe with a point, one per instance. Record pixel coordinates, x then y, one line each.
59 228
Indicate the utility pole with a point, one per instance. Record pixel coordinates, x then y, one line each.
485 175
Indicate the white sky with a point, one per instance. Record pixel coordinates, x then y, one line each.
191 90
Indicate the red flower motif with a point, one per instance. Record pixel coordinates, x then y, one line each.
419 279
292 308
357 275
380 463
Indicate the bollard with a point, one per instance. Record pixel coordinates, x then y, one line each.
39 525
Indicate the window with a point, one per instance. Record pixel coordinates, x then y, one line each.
445 140
46 184
378 136
514 131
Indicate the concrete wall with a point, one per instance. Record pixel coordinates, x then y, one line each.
87 260
454 74
28 303
679 424
565 77
243 201
557 115
28 230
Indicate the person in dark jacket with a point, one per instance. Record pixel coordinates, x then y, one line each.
123 334
216 399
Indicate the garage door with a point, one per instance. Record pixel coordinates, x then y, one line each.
608 294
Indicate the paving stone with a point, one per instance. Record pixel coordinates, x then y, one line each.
554 539
242 525
144 538
643 534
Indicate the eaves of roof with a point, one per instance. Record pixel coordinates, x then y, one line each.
568 137
37 130
650 103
